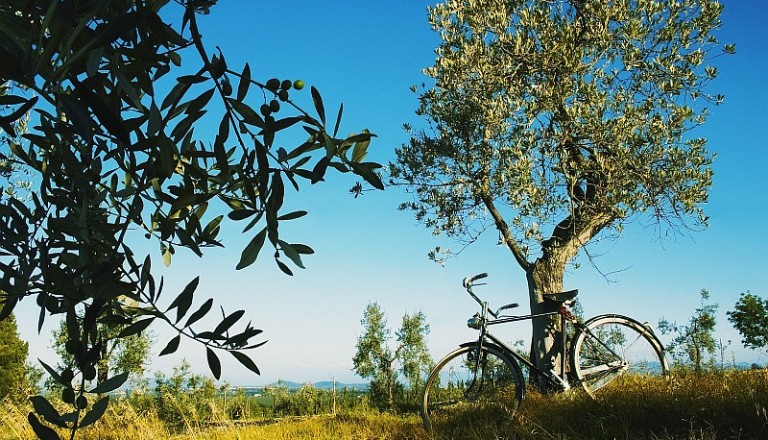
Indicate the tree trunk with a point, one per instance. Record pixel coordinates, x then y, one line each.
545 275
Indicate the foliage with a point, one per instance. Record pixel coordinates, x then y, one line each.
116 146
750 317
119 355
13 178
555 121
696 339
377 360
17 379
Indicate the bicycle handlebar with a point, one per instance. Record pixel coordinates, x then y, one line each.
467 283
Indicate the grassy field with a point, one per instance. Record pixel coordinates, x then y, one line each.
714 405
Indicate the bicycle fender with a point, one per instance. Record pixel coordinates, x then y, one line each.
650 328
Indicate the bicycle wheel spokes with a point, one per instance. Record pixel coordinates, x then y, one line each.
468 388
613 348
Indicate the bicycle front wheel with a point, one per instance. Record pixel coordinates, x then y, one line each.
614 350
472 386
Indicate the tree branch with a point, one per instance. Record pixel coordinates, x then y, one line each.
503 228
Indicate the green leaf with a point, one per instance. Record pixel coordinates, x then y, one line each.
214 364
172 346
291 253
360 150
192 79
241 214
202 311
245 82
245 361
54 374
136 327
318 101
95 413
167 253
41 431
45 409
292 215
286 270
228 322
252 250
184 300
338 121
110 384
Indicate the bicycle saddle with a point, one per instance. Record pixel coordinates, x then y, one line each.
562 296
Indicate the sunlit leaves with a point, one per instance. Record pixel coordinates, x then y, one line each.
112 154
562 111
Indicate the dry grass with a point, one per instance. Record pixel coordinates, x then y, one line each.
714 406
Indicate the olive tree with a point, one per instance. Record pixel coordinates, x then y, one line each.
555 122
119 93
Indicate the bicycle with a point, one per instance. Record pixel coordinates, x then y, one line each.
482 379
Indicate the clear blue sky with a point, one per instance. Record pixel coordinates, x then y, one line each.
367 55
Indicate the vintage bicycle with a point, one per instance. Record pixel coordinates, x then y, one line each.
483 380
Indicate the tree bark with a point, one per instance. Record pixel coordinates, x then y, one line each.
545 276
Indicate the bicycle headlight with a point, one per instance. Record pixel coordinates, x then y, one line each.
475 322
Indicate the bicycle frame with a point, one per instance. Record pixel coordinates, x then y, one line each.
559 380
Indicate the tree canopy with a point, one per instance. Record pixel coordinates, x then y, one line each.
117 93
552 122
750 317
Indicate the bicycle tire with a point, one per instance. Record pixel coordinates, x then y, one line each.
456 395
614 350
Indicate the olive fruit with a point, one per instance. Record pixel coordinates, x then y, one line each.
273 84
298 84
68 395
73 346
82 402
274 105
67 375
264 109
286 84
90 373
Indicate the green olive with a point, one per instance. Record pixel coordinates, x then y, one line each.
298 84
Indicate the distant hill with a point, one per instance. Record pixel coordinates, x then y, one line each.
322 385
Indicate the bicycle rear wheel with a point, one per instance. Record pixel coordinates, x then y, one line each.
472 387
614 350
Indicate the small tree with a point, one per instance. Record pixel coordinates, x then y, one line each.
375 359
750 318
118 355
15 380
696 339
415 361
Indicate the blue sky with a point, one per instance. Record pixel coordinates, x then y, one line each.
367 55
